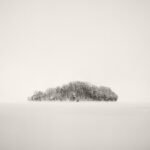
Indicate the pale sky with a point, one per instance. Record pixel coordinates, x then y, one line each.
45 43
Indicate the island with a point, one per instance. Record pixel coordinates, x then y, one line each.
76 91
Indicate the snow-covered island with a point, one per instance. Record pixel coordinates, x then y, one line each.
76 91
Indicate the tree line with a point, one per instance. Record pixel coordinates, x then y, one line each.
76 91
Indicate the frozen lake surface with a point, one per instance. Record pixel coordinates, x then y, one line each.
74 126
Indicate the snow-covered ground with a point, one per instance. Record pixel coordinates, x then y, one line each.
74 126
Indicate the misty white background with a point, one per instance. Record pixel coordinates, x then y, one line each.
45 43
